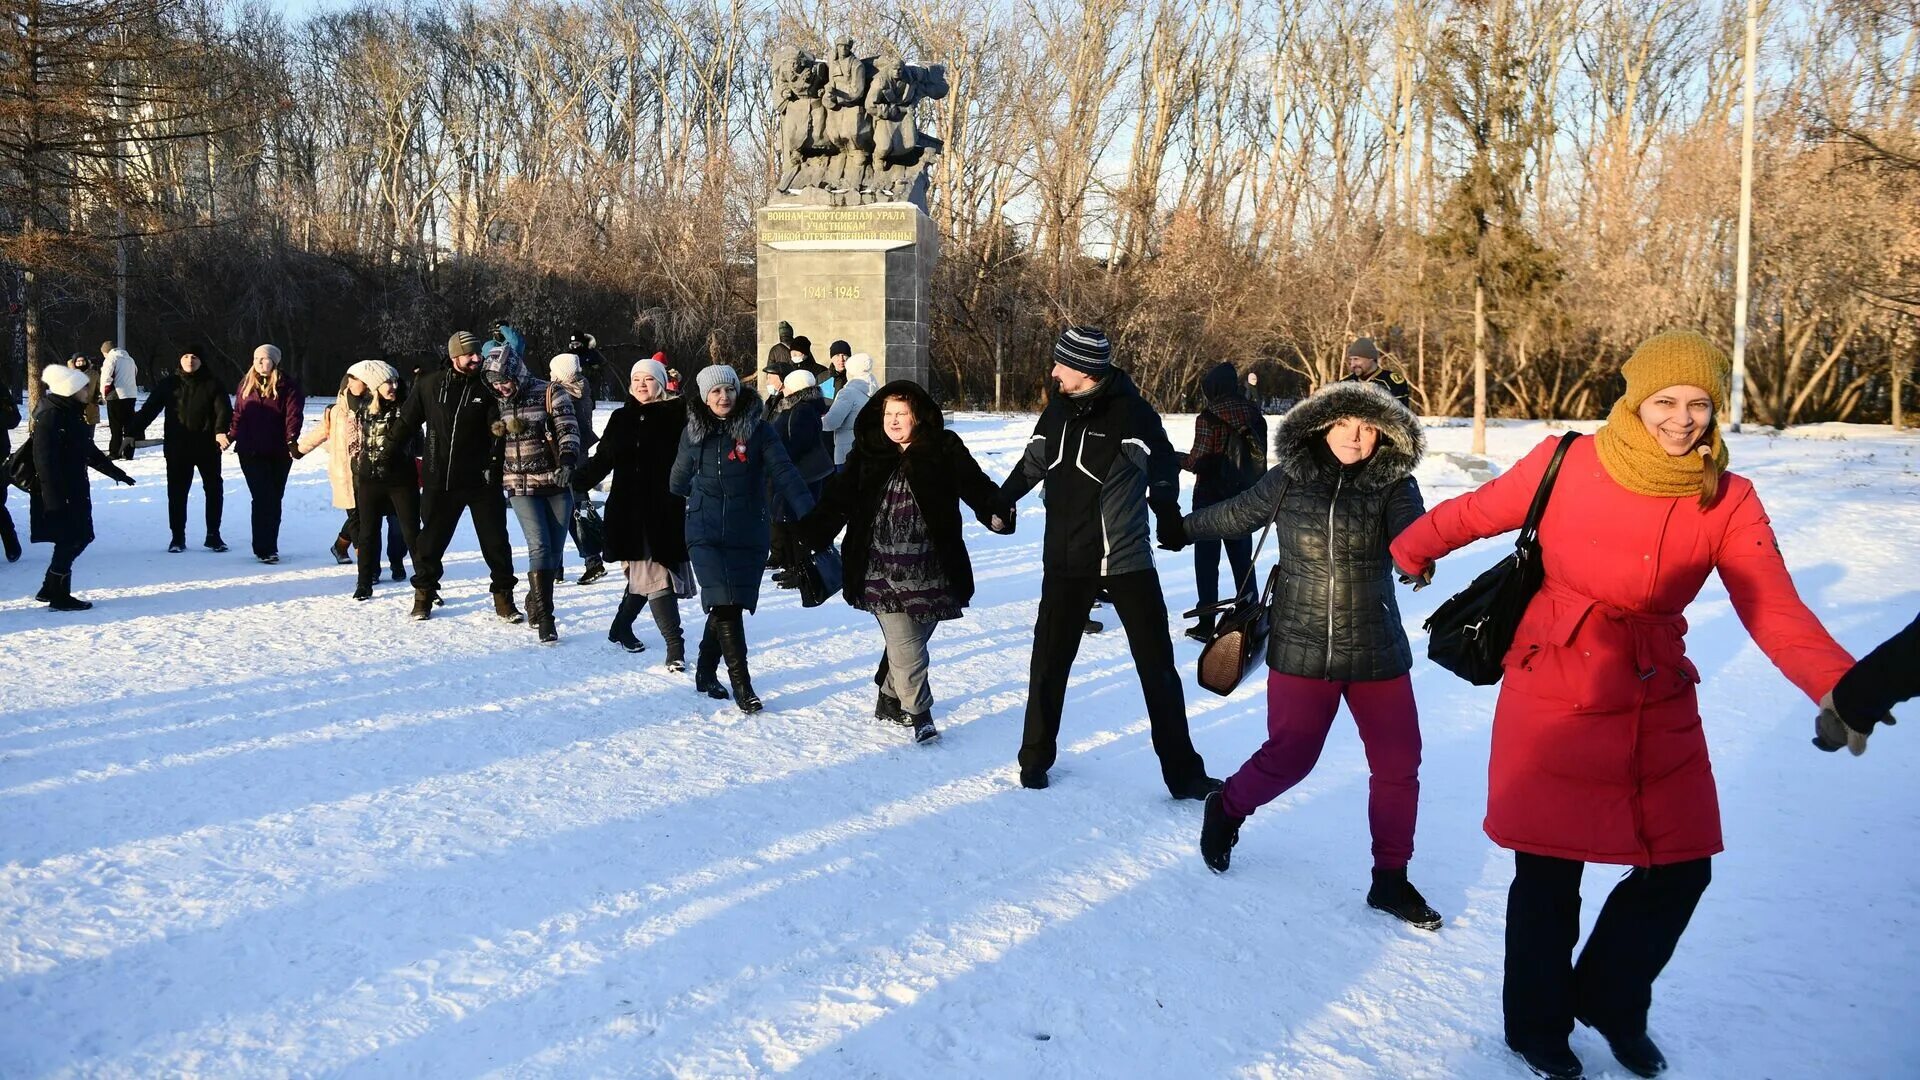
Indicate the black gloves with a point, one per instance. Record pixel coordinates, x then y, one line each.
1172 531
1831 731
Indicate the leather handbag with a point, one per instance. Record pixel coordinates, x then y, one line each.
1470 634
1243 623
821 576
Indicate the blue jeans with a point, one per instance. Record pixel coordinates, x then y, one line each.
543 520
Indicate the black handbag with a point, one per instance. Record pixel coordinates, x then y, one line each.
19 467
820 577
1470 634
1242 626
588 527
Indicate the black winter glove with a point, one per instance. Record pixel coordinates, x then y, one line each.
1831 731
1172 532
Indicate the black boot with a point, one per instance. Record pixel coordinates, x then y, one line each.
49 589
339 549
176 545
1197 787
214 543
422 605
1202 629
61 588
621 632
1395 895
888 708
399 570
706 671
9 536
540 606
923 729
363 588
503 607
596 569
1219 832
665 608
733 648
1557 1062
1636 1052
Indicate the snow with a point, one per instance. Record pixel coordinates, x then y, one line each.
256 829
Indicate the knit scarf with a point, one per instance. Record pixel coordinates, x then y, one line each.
1636 461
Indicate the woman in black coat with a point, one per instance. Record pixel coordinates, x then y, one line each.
646 523
905 557
1340 490
62 510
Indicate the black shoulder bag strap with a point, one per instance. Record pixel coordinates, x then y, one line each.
1253 564
1528 542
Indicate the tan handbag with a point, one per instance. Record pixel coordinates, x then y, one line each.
1240 632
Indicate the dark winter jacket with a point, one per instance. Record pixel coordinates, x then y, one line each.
940 472
1229 440
644 519
797 419
62 510
265 426
537 428
1882 679
387 445
1105 458
1333 610
462 452
722 469
197 408
1389 380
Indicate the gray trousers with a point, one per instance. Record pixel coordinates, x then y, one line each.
907 659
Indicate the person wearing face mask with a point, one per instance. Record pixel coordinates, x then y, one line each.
905 555
734 474
61 512
460 475
541 445
1598 751
198 415
383 477
265 432
1104 456
646 523
1341 487
568 372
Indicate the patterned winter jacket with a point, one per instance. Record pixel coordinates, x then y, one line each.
536 423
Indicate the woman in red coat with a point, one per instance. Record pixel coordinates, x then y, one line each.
1598 754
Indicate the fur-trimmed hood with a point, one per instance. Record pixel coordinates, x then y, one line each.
748 411
793 400
1402 442
869 429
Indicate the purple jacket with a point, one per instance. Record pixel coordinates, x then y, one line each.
264 425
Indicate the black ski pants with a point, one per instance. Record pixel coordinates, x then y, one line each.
182 462
396 502
440 513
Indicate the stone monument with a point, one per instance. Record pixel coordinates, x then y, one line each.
846 250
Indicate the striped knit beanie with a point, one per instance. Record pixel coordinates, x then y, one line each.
1084 349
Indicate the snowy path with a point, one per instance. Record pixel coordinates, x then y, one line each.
254 828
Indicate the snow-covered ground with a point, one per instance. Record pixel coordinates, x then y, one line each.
254 828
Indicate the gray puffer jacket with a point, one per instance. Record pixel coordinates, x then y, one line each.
1333 609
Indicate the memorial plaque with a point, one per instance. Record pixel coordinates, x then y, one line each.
862 274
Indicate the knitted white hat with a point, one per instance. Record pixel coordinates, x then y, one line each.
859 366
63 381
564 367
373 372
797 381
651 367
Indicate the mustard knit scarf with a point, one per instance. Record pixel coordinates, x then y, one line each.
1636 462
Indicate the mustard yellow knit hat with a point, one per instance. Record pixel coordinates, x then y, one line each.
1676 358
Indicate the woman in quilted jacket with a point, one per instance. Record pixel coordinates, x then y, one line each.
1341 488
541 446
1598 752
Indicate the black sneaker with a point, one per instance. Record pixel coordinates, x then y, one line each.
1198 788
1219 832
1636 1052
1553 1062
271 559
216 544
1201 634
363 592
1395 895
176 547
594 572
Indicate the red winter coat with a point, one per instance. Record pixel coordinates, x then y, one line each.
1598 754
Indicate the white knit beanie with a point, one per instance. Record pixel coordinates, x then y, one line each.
859 366
63 381
651 367
373 372
797 381
563 368
716 375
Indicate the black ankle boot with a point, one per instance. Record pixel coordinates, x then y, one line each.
1219 832
339 549
596 569
621 632
503 607
732 632
9 536
1557 1062
706 672
887 707
60 593
665 609
1395 895
923 729
1636 1052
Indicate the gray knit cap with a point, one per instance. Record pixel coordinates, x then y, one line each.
716 375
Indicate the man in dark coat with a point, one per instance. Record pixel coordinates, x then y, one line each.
198 412
1363 366
1229 453
1104 456
1866 695
462 475
62 508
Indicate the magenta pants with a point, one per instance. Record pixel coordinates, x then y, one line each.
1300 712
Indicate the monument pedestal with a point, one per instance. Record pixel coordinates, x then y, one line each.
860 274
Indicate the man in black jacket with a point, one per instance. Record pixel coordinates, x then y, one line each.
462 474
198 414
1105 459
